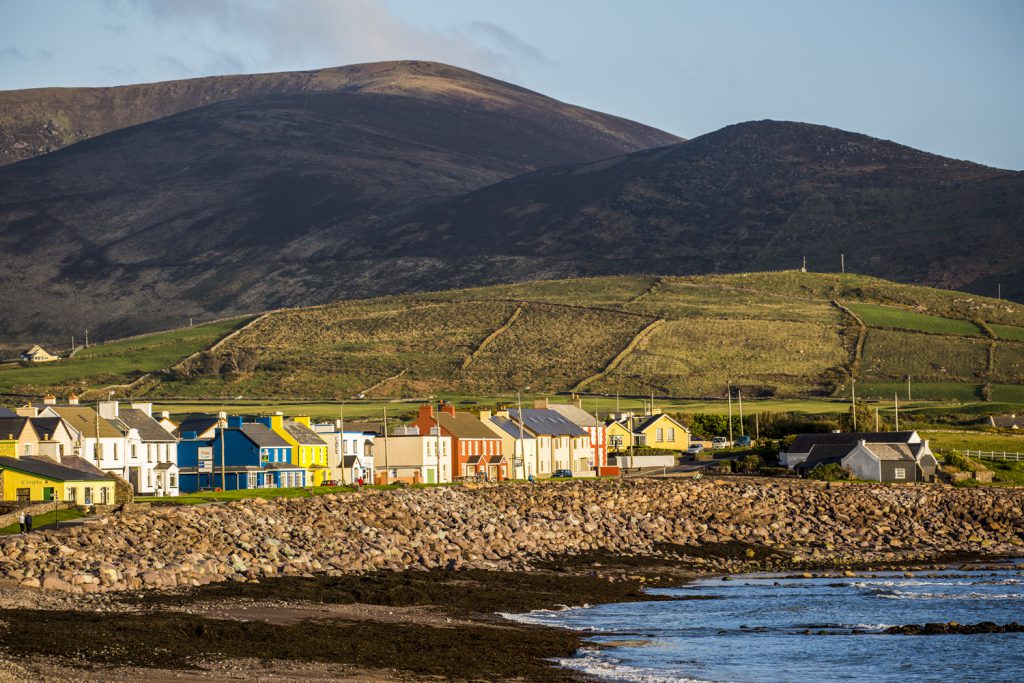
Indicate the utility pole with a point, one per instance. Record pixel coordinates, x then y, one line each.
72 343
522 443
437 446
341 456
908 387
387 471
999 292
853 398
757 427
896 404
842 262
739 395
729 391
223 438
876 418
87 337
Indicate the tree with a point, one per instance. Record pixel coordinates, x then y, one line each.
706 425
865 419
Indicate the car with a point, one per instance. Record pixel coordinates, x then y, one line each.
561 474
720 442
743 441
695 449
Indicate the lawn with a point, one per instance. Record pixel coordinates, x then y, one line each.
1008 331
974 441
223 496
875 315
119 361
1008 393
44 519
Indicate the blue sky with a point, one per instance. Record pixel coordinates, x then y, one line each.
943 76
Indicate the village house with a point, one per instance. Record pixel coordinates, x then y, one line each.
575 413
895 457
37 354
40 479
1011 421
515 440
97 440
349 451
18 435
203 425
476 450
414 458
152 450
244 455
656 430
308 449
561 444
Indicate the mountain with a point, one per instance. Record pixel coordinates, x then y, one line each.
41 120
781 334
753 196
266 198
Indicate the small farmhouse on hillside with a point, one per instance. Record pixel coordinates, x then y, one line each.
893 462
37 354
1011 421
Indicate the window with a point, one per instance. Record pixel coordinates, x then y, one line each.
899 473
134 451
671 433
172 481
72 495
659 435
615 441
252 480
115 450
88 495
268 480
104 495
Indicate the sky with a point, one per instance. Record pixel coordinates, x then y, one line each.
939 75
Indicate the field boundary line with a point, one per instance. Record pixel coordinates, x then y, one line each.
492 336
862 333
383 382
651 289
620 356
214 346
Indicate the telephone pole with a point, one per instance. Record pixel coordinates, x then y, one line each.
842 262
729 390
853 398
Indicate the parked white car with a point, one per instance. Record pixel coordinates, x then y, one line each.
720 442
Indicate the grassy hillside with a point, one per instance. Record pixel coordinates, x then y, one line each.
774 335
118 362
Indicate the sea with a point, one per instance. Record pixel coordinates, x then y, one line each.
786 629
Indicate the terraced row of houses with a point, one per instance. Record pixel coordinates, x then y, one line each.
127 450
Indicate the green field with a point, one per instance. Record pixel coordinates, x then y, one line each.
1011 332
115 362
42 520
892 355
975 441
1008 393
923 391
874 315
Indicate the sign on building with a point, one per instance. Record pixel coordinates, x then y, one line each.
206 458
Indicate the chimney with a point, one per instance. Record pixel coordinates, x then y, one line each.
427 411
145 407
235 422
862 442
73 400
485 415
278 412
578 402
50 449
302 419
27 410
540 403
108 410
503 414
165 415
50 400
337 425
448 408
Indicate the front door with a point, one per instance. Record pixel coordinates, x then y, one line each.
47 493
430 475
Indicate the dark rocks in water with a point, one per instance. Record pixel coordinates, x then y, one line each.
952 627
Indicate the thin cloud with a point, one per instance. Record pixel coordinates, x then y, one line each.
333 32
13 53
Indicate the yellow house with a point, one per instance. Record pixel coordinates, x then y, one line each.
41 479
654 431
308 449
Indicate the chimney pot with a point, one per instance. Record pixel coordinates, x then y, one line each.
540 403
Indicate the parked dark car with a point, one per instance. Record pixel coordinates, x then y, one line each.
562 474
742 442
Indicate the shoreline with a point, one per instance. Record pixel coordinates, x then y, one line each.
384 626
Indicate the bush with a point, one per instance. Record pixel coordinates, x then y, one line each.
748 465
830 472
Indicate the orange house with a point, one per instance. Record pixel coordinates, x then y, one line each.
476 450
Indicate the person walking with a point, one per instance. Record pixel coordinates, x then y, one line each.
28 522
21 522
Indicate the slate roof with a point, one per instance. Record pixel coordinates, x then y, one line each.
348 460
510 427
12 426
45 427
197 423
81 464
495 459
891 451
303 434
647 420
83 419
165 466
4 412
576 415
263 436
148 428
825 454
44 467
282 466
547 421
804 442
1008 421
464 426
474 460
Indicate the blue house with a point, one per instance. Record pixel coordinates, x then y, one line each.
244 456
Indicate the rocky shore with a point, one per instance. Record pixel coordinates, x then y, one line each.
784 525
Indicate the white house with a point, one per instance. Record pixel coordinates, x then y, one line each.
561 444
349 451
152 451
801 447
37 354
874 461
519 442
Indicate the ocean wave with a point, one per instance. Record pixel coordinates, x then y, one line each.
593 663
909 595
